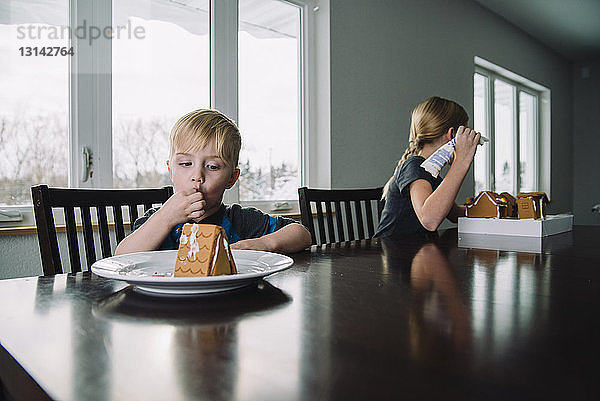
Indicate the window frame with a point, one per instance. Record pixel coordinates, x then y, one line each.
90 113
541 94
224 81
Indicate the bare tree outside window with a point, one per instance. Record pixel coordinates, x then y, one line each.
33 150
257 183
140 151
34 99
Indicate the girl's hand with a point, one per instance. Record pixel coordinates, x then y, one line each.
183 206
466 145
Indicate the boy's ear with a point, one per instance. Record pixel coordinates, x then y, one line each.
235 174
451 133
169 169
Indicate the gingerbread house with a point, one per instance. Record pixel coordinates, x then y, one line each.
490 204
511 202
203 251
532 205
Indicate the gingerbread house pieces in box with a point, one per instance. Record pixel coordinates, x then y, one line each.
490 204
511 204
203 251
532 205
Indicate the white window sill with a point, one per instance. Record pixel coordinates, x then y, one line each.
27 224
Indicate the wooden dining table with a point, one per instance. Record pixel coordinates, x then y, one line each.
401 318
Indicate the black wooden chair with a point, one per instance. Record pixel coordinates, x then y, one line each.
348 213
102 200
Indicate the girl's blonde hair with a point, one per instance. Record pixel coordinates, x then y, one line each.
430 120
198 128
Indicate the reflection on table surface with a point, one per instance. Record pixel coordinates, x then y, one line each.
380 319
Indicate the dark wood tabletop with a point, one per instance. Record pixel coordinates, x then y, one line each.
372 320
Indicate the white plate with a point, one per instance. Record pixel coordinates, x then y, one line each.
152 272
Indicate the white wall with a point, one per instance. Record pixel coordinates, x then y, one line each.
388 55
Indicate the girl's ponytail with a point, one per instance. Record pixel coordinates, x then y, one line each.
430 120
412 150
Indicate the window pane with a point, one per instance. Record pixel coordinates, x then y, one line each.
480 125
504 135
527 144
158 75
34 98
269 99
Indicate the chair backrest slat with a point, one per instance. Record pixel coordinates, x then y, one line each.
340 222
306 213
46 231
349 222
359 219
45 199
71 228
370 225
330 229
119 228
321 221
104 233
88 235
348 212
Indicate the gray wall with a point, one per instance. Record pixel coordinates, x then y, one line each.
586 141
388 55
19 256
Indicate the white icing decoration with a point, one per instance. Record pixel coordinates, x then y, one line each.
226 245
194 248
183 239
214 261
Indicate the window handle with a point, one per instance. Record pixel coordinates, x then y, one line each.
86 163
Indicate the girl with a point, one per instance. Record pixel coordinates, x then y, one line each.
415 201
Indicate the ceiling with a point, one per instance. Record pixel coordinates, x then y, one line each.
570 27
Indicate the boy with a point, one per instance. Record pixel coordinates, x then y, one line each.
203 159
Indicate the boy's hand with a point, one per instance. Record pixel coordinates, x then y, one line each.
466 145
183 206
290 238
254 244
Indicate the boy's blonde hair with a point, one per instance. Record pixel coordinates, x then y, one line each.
430 120
198 128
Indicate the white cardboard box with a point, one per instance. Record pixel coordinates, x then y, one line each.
514 227
517 244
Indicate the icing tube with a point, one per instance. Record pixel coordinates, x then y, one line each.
440 157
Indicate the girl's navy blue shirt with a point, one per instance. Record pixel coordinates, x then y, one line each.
398 216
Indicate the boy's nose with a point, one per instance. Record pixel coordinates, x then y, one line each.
198 178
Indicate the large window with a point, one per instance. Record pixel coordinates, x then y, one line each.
157 77
269 99
507 111
165 74
137 67
33 98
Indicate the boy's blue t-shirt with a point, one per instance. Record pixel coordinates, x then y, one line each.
237 221
398 216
